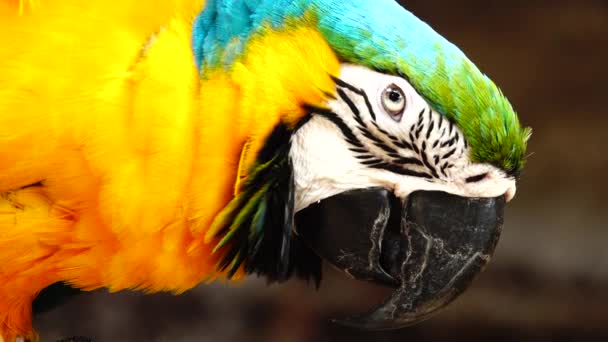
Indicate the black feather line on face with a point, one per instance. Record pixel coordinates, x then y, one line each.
264 242
393 161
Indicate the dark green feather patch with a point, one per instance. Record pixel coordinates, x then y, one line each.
256 229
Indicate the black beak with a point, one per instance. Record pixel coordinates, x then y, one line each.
429 248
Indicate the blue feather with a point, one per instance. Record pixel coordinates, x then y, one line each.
343 23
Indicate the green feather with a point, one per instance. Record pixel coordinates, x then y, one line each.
243 215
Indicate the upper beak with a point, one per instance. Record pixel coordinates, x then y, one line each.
429 248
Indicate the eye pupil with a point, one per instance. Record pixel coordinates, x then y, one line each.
394 95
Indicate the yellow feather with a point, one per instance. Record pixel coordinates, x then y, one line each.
275 66
132 154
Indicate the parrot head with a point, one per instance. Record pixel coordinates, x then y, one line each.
376 145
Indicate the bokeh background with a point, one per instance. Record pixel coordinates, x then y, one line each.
549 278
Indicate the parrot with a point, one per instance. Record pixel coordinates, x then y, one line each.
158 145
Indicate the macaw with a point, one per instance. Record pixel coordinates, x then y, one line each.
157 145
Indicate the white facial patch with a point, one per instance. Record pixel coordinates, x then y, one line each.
364 141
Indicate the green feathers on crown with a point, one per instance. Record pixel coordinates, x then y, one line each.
471 100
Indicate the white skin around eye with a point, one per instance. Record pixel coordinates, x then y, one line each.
387 153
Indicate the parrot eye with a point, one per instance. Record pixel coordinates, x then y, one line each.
393 101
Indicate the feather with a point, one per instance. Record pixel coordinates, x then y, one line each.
256 231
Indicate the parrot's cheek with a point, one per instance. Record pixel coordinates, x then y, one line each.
429 248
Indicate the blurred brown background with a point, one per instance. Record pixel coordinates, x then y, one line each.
549 279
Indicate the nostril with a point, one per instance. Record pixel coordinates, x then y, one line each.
475 179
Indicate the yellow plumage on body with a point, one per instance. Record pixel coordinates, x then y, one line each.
116 154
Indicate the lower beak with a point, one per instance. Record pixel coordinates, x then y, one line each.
429 248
